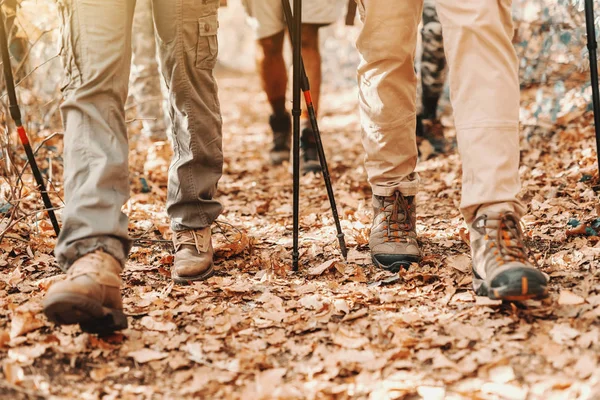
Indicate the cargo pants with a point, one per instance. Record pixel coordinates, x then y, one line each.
96 52
484 90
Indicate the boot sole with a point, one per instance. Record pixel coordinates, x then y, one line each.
91 315
530 286
180 280
396 266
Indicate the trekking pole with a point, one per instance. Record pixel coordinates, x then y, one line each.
293 25
296 112
592 48
15 114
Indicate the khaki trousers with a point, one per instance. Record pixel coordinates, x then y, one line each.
96 52
483 73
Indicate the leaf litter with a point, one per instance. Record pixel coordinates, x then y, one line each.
335 329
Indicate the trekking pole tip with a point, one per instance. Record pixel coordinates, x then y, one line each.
343 248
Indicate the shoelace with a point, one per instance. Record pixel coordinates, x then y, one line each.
508 245
397 230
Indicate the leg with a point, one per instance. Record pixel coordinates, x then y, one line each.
433 64
485 94
433 61
387 94
387 90
311 54
482 61
96 60
93 243
186 31
273 71
145 83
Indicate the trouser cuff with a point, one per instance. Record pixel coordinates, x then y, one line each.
408 187
111 245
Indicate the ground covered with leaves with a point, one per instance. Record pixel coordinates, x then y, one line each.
335 329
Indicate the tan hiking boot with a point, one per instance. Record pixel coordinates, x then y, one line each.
502 269
90 296
393 239
193 256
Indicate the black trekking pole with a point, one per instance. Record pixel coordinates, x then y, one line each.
301 79
15 114
592 50
296 112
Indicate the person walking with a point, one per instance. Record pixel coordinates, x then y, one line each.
94 242
484 87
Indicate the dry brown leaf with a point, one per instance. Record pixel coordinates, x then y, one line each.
341 306
586 365
319 269
154 325
26 355
13 373
227 248
460 262
568 298
24 322
269 380
501 374
349 339
4 338
146 355
360 258
312 302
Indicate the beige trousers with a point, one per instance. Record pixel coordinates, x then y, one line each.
483 73
96 53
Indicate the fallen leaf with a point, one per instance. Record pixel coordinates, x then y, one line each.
150 323
501 374
341 306
586 365
319 269
146 355
24 322
13 373
312 302
349 339
460 262
432 392
568 298
26 355
563 333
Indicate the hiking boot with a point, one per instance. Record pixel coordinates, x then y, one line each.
502 269
90 295
431 130
193 256
309 156
282 128
393 240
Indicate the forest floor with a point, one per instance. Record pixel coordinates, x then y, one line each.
335 329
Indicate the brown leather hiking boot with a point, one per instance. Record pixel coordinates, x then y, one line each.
393 239
193 256
502 269
90 296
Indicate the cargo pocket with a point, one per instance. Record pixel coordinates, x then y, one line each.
72 76
208 45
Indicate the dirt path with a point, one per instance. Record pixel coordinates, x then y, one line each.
333 330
